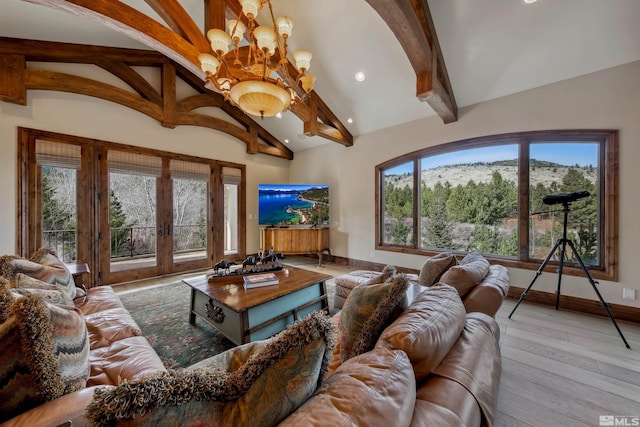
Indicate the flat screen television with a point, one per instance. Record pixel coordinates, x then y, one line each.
293 204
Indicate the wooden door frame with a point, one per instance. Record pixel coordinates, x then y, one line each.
89 243
29 201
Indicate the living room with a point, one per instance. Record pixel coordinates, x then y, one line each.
603 99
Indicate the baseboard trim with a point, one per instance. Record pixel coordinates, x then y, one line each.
583 305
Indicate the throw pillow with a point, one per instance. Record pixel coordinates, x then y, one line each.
467 274
45 354
434 267
6 300
43 265
427 329
367 311
27 285
385 275
376 388
260 387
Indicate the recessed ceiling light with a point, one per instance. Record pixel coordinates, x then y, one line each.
530 1
279 115
360 76
349 120
286 141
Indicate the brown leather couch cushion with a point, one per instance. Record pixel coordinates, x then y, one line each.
107 326
427 329
130 358
464 276
475 363
98 299
373 389
487 297
442 402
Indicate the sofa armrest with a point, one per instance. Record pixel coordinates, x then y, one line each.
488 295
69 407
475 363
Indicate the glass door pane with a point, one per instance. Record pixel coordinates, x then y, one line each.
133 180
59 212
230 219
231 178
132 221
59 165
190 183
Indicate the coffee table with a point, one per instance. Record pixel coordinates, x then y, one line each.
245 315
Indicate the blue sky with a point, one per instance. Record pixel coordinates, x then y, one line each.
583 154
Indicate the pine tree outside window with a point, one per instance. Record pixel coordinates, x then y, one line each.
485 195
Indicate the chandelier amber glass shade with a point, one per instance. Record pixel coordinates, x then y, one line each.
260 98
284 25
236 29
266 38
220 41
208 63
303 59
250 8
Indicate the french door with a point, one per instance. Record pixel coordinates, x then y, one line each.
157 218
129 213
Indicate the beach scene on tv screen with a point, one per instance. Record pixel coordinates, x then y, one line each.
293 204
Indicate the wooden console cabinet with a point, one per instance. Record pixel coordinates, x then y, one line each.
296 241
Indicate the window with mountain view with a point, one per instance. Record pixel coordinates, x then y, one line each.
398 205
485 195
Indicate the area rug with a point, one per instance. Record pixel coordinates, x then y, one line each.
163 316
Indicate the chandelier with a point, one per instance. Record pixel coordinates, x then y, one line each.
257 77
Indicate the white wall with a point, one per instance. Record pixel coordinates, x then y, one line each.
93 118
607 99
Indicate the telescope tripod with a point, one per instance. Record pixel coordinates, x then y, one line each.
562 245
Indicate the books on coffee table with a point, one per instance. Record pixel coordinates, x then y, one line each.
259 280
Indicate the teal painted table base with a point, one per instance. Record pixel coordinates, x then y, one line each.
246 315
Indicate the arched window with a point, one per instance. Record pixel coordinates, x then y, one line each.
486 195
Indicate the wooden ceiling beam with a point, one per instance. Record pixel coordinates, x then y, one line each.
12 79
214 14
180 22
412 25
46 51
125 73
136 25
173 45
16 78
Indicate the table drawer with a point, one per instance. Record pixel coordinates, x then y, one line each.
261 317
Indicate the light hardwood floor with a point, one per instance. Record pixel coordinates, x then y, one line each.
562 368
559 368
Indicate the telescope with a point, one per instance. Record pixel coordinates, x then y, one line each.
554 199
562 243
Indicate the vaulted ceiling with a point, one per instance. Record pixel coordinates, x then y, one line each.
486 50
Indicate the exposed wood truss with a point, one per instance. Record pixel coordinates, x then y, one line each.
411 22
16 77
181 41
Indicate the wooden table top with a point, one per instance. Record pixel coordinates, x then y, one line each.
230 290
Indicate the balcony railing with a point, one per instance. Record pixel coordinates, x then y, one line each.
129 242
61 241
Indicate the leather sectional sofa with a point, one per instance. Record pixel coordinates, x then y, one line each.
117 352
437 363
